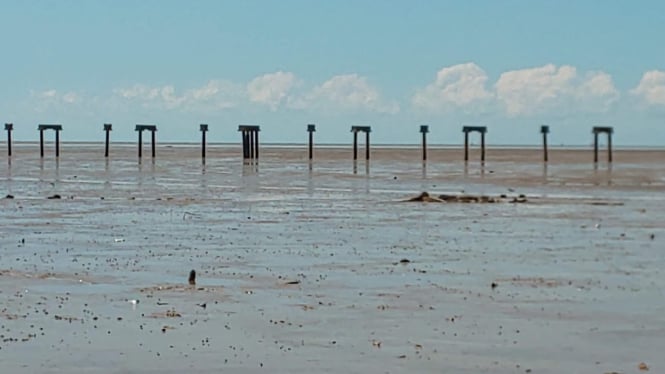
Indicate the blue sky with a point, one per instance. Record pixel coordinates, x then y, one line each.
395 65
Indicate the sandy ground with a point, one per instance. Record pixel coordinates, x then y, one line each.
320 268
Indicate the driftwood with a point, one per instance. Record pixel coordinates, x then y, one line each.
425 197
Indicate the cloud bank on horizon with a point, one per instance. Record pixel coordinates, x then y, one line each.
536 91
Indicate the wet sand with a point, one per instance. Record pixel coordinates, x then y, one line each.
322 268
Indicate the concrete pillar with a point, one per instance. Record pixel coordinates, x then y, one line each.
311 129
595 147
256 144
355 145
482 147
424 130
466 146
57 143
545 130
152 133
203 128
41 143
107 130
9 127
140 144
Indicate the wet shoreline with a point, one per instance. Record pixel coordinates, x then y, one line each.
578 287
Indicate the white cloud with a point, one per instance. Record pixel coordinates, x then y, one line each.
53 99
70 98
48 94
651 88
213 95
548 88
455 86
345 92
271 89
52 96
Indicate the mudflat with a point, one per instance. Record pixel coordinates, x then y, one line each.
323 267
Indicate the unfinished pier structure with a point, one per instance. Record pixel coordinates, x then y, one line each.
599 130
355 130
250 142
57 129
482 130
152 129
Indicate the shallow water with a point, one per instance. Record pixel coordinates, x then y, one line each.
579 278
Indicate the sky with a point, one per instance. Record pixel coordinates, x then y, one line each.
394 65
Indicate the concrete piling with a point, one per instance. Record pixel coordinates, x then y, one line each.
355 130
57 129
544 130
203 128
482 130
140 129
9 127
424 130
107 129
310 130
250 142
599 130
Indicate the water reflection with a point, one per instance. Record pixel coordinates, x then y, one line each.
605 177
250 168
310 181
57 169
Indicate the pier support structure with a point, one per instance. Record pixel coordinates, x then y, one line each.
355 130
250 142
598 130
482 130
424 130
310 130
107 129
545 130
57 129
204 129
9 127
152 129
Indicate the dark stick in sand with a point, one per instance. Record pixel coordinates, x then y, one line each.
192 278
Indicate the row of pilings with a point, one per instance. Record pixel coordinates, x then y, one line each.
250 140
